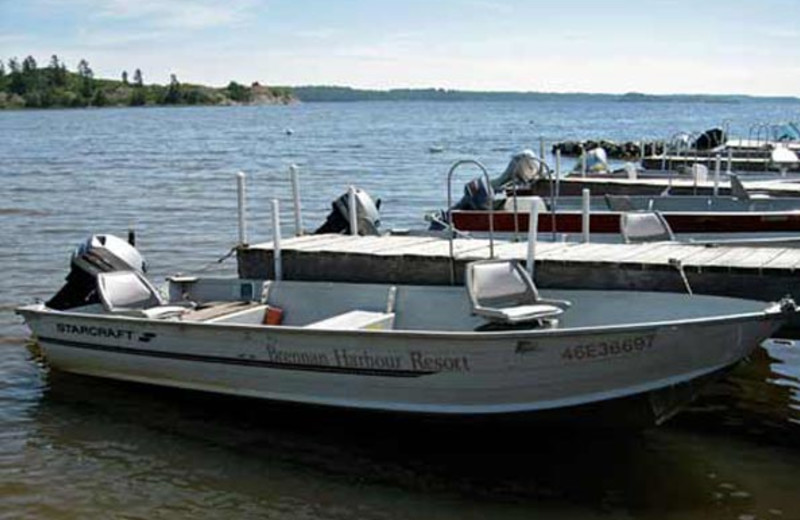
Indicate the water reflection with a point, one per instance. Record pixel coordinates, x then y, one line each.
144 452
759 400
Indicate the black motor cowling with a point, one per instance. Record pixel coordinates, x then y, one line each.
367 215
709 139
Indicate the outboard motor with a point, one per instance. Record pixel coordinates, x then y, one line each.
709 139
596 161
523 168
367 215
99 254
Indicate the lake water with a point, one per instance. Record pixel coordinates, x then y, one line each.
73 447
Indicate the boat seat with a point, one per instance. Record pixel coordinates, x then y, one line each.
356 319
644 226
131 294
619 203
502 291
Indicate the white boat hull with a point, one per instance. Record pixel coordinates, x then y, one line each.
450 373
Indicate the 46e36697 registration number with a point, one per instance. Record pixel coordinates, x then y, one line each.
609 348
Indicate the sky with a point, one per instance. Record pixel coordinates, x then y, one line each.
651 46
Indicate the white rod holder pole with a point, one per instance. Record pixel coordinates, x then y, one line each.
353 213
276 240
533 233
298 218
717 171
586 214
242 210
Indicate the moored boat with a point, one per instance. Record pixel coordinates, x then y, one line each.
481 209
684 214
496 348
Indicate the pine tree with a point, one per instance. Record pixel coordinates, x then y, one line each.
124 77
87 79
173 94
56 72
28 65
138 97
16 83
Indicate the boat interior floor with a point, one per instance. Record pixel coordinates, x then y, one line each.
211 310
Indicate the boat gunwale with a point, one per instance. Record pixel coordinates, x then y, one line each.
665 212
770 312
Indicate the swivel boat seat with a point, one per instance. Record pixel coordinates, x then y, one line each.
130 293
501 291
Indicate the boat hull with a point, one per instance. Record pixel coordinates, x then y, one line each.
445 374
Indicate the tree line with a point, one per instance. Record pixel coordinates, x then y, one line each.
27 85
325 93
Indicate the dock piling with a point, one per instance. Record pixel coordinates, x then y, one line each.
533 230
353 211
276 240
586 200
730 161
240 193
298 219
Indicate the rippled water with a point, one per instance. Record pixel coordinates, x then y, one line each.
74 447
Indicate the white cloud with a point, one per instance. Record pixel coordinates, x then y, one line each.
176 14
317 34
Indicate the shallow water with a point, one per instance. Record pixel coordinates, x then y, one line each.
80 448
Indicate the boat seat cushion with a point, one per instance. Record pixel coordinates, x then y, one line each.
520 313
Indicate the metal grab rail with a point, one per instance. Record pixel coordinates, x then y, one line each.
490 192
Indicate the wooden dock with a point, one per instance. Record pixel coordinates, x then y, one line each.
763 273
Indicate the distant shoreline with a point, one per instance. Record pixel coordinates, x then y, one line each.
25 85
258 95
343 94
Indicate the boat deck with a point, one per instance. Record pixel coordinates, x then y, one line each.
763 273
213 310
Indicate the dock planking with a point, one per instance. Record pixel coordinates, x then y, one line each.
765 273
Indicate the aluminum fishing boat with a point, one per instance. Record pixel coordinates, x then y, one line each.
684 214
480 209
494 347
